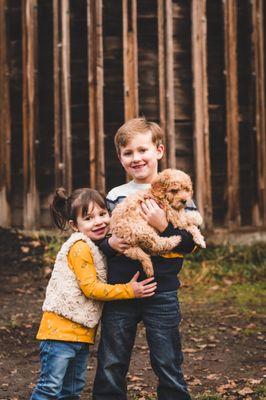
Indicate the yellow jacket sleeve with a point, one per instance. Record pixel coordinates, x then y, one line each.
81 262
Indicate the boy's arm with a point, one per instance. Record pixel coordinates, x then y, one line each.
187 244
156 217
112 245
81 262
105 247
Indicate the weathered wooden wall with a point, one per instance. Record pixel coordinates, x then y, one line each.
72 71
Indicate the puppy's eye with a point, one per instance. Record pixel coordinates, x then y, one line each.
174 191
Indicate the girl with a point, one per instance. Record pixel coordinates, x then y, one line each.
73 302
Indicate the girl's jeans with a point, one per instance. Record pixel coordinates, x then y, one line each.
63 370
161 316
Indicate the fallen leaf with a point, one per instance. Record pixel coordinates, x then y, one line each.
195 382
251 326
196 339
202 346
31 385
255 381
135 378
47 271
25 249
198 358
142 347
212 377
222 328
245 390
227 386
214 288
28 326
35 243
190 350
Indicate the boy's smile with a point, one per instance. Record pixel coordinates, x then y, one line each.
140 157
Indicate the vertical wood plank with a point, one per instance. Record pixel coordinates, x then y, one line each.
66 97
130 59
259 74
5 122
95 79
166 78
201 115
30 113
232 134
161 73
57 54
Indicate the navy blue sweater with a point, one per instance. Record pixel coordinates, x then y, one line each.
166 268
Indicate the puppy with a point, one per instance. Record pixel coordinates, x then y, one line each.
171 189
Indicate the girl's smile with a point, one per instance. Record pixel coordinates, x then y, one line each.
99 231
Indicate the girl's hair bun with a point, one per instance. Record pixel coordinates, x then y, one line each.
61 193
59 208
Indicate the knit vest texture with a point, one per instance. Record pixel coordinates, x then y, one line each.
63 294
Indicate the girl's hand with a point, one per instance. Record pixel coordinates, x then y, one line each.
118 244
143 288
154 215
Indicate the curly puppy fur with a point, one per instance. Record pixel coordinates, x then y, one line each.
171 189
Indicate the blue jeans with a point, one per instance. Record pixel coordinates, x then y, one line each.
63 370
161 317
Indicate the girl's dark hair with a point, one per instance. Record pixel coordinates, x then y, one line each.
65 208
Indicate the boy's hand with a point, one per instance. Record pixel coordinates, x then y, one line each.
144 288
118 244
154 215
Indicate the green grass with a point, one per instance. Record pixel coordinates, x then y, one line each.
249 296
52 245
233 275
235 263
261 392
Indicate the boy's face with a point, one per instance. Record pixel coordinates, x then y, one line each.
140 157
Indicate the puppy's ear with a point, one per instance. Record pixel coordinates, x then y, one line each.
158 190
160 184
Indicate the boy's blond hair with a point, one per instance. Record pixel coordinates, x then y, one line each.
135 126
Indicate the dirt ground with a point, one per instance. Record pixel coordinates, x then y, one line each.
223 349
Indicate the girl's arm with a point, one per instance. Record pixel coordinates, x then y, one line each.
81 262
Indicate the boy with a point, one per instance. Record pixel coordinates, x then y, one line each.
139 148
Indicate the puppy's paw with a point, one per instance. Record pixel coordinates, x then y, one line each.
203 245
200 242
174 241
148 269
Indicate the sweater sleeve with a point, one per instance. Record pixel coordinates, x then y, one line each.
107 250
187 244
81 262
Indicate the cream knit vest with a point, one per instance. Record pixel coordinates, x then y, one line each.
63 294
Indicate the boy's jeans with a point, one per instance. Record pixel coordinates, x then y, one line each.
63 370
161 317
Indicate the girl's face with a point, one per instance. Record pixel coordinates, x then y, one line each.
95 224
